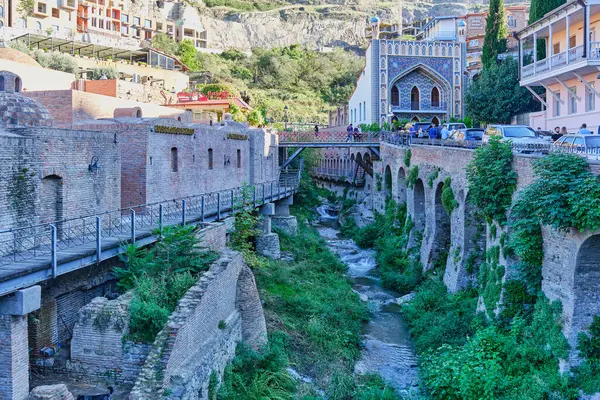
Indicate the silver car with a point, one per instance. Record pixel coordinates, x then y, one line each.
523 138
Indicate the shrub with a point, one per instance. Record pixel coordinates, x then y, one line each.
412 176
407 157
97 73
492 180
159 277
55 60
448 200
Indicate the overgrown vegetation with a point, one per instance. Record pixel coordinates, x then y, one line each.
288 84
159 276
448 200
492 180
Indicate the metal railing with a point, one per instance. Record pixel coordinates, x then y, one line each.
575 53
558 59
327 137
44 243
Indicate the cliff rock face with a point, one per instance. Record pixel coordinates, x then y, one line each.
330 23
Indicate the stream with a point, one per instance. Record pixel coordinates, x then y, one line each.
388 349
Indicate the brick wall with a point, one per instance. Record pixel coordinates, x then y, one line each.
192 345
74 106
14 363
105 87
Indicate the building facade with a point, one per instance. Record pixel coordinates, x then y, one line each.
413 80
568 70
121 23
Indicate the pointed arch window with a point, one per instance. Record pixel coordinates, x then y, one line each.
395 96
414 98
435 97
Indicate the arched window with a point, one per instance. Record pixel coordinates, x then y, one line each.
1 11
38 26
435 97
138 113
17 84
395 96
414 98
1 84
210 159
174 166
239 158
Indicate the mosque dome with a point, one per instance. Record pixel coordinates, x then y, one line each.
17 110
374 19
6 53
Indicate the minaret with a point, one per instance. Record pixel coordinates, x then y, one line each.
374 28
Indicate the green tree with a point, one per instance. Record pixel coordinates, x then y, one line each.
187 55
165 43
495 34
539 8
496 95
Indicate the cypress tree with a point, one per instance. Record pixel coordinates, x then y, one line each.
495 34
538 8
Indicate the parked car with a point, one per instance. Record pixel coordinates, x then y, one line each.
467 134
578 143
454 126
546 135
522 136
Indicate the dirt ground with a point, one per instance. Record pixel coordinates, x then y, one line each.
77 385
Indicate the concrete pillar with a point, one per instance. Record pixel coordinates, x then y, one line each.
282 220
267 244
14 347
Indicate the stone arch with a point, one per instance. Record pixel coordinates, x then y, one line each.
435 97
435 120
415 98
586 299
395 96
441 231
401 186
387 181
415 119
51 199
419 205
396 49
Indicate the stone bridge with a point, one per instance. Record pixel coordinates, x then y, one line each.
571 268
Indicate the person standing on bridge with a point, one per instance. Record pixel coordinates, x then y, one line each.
316 130
432 131
349 130
445 132
584 130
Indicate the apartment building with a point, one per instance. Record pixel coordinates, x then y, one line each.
125 24
566 67
516 20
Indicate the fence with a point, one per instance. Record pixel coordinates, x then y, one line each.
44 243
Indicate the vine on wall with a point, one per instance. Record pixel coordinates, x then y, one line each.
412 176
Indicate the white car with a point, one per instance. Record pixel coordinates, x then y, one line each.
523 138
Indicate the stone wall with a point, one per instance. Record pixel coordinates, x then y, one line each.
13 355
46 177
201 335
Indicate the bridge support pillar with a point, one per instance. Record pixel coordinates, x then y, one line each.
14 347
267 244
282 219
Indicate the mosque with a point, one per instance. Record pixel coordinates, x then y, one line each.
423 80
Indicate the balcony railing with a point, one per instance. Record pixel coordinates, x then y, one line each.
558 59
542 65
594 50
576 53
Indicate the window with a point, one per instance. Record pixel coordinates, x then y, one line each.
395 96
38 26
474 43
174 159
239 158
556 111
414 98
94 22
148 23
1 84
572 100
41 8
136 20
55 28
55 13
556 48
124 30
360 111
435 97
572 42
511 22
17 84
124 18
210 159
590 98
1 11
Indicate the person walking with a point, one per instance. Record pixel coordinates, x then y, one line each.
445 132
349 130
432 131
412 131
584 130
316 130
